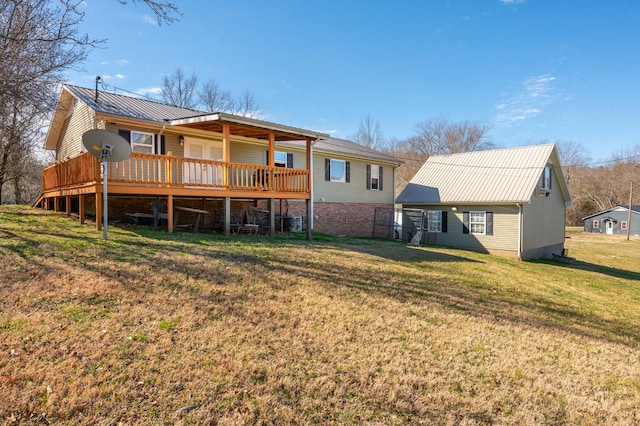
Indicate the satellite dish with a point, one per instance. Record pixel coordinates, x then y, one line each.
101 143
106 146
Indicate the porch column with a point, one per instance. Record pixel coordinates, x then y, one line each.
99 210
81 208
170 213
226 154
227 215
308 202
272 217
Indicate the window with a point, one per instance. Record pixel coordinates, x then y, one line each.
434 221
374 177
142 142
545 182
336 170
477 223
595 224
282 159
623 225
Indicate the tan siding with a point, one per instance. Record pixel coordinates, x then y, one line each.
505 229
79 121
354 191
544 219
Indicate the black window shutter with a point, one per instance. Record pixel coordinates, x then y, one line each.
327 169
289 160
444 222
126 134
163 148
266 161
368 176
380 178
489 225
465 222
550 177
347 177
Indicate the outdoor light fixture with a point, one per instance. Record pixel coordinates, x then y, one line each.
454 209
181 139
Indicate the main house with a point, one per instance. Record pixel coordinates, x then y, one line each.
616 220
509 202
220 164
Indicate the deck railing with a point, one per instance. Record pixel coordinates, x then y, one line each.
167 170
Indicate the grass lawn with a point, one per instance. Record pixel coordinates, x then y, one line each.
158 328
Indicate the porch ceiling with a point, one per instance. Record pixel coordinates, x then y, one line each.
247 127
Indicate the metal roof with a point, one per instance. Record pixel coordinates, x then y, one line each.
347 148
128 106
508 175
634 209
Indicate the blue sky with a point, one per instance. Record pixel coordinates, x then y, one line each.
535 70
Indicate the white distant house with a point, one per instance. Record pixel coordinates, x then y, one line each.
510 202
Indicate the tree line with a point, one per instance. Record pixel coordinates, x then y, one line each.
593 186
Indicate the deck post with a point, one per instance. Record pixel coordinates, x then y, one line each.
67 205
98 210
81 208
227 215
308 203
272 217
170 213
56 204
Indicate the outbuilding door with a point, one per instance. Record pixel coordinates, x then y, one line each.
609 227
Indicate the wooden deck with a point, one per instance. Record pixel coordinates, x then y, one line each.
169 176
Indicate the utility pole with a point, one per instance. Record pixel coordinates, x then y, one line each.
629 217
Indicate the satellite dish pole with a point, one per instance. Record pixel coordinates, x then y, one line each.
106 147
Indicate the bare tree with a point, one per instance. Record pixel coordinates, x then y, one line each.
213 97
369 134
179 89
165 11
438 136
244 105
39 41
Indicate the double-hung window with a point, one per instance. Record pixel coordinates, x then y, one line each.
545 182
434 221
282 159
374 177
595 224
142 142
477 223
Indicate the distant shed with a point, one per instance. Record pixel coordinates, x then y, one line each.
614 221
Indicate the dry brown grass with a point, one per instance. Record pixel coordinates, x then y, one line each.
152 328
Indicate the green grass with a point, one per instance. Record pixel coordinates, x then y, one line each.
157 328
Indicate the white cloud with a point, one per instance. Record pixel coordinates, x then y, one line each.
512 1
148 19
149 91
528 102
122 62
120 76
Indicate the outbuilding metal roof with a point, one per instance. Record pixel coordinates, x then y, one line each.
508 175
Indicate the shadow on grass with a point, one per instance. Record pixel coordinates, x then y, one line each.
592 267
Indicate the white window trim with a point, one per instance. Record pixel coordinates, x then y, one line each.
280 163
133 144
623 225
343 179
483 222
377 177
439 222
595 224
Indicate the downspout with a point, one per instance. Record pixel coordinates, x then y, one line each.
519 231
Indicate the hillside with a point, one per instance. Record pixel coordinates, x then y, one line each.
158 328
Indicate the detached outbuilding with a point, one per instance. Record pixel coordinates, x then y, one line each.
614 221
510 202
